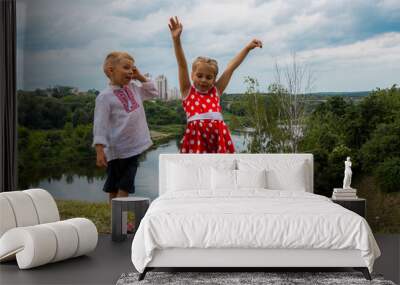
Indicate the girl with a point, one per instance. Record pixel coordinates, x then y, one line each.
206 131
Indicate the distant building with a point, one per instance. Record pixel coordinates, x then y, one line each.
162 87
173 93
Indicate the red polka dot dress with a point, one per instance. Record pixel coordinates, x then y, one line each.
204 134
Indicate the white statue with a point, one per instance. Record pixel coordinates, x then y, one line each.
347 174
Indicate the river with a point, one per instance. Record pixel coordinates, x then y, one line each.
82 188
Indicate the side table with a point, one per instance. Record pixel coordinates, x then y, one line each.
119 214
357 205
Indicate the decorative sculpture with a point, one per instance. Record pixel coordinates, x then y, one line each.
347 174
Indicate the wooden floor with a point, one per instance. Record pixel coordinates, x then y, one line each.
111 259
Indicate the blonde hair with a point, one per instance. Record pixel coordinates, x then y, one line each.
114 58
207 60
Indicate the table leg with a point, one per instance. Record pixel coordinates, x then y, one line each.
116 221
124 223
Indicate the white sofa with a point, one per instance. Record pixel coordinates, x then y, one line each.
31 231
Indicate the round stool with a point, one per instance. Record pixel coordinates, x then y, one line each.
119 214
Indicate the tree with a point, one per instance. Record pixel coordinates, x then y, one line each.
384 143
292 84
388 174
369 132
256 112
279 117
237 108
93 92
60 91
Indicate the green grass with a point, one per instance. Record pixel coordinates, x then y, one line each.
98 213
172 129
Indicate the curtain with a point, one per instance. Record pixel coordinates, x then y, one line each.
8 100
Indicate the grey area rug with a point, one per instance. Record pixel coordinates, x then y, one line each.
273 278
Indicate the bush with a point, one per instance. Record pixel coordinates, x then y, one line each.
388 174
384 143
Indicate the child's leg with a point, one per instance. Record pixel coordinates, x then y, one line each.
122 193
126 184
111 196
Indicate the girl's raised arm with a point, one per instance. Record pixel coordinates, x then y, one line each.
223 81
184 81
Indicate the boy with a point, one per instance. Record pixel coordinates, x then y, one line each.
120 131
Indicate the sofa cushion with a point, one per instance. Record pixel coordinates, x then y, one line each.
7 220
87 233
67 240
46 207
23 208
32 246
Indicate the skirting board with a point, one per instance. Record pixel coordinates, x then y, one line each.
189 257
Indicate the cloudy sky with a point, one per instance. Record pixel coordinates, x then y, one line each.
348 45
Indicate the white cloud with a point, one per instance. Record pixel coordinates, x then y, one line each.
332 36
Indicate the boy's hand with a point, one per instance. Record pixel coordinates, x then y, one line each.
253 44
175 27
101 159
137 75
